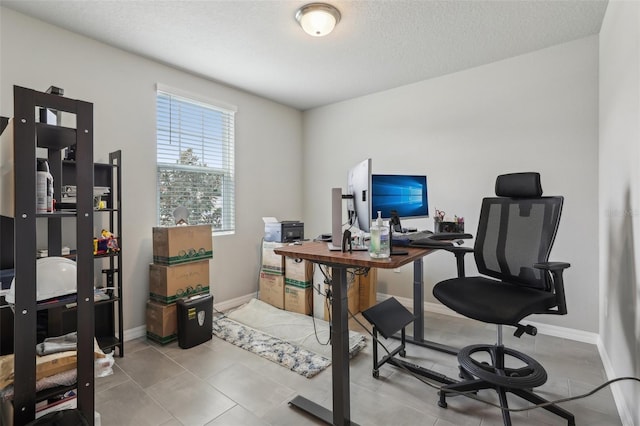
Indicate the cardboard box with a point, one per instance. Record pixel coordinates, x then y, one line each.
298 299
170 283
46 366
162 322
272 289
368 289
298 272
272 263
182 244
353 297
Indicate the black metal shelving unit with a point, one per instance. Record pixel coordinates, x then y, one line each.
28 136
109 312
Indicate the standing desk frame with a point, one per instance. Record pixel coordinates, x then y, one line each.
317 252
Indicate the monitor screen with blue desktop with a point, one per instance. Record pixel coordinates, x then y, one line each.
406 194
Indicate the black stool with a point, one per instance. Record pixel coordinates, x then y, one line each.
388 317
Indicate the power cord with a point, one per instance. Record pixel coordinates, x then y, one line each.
328 295
472 394
313 318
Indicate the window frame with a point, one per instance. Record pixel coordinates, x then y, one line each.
228 225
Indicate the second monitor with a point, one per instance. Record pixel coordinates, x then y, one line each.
406 194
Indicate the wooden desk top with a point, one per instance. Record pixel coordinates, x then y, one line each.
318 252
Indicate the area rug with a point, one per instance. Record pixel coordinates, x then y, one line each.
286 338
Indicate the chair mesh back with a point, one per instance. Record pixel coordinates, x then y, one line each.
514 234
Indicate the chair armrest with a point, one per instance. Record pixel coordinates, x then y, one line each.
556 269
450 236
552 266
446 241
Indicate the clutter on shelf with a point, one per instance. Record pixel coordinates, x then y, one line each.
106 243
444 223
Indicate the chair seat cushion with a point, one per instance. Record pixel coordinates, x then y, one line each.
492 301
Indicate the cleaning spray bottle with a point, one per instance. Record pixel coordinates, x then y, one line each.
379 239
42 184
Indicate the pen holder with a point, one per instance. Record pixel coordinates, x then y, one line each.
447 226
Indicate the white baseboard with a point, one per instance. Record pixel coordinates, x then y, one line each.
134 333
549 330
232 303
546 329
623 410
141 331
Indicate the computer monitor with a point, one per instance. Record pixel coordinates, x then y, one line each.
359 190
406 194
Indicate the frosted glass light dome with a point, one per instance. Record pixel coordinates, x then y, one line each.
318 19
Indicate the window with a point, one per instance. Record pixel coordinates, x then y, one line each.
195 160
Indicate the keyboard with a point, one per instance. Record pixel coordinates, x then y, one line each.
412 236
406 239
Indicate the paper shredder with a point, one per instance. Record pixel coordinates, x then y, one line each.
195 320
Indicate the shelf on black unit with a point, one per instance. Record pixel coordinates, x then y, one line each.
96 256
52 392
55 137
107 301
58 213
108 342
58 303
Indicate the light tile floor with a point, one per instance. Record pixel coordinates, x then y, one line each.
217 384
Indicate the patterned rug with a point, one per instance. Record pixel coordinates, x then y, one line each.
290 355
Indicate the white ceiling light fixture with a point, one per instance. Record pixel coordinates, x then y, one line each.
318 19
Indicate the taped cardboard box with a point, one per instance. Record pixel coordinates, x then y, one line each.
46 365
181 244
298 299
368 289
162 322
353 296
167 284
272 289
298 272
272 263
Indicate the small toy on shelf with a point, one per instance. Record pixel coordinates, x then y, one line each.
106 243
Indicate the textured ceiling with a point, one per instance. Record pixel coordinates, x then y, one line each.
257 46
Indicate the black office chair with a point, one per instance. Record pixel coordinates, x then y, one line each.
515 235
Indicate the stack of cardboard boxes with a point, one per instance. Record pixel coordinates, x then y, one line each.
286 283
361 292
180 269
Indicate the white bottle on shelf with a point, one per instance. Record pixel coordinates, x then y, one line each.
42 185
379 239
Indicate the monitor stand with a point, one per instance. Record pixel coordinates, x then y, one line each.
394 223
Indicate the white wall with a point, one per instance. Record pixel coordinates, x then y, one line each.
535 112
122 88
620 199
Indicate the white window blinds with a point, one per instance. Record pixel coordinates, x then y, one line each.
195 160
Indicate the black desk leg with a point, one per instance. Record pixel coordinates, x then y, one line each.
341 415
418 311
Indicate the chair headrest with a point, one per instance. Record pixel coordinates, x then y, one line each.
519 185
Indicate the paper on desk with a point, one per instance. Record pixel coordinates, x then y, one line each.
270 220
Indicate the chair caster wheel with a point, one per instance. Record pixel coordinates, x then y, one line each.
442 404
376 374
403 353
